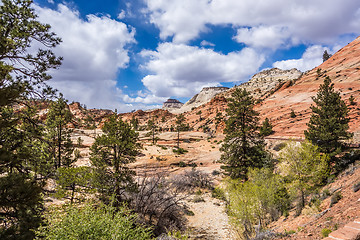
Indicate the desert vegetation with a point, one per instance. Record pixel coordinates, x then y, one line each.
45 193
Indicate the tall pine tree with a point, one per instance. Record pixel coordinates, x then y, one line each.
243 146
110 155
60 144
22 73
328 125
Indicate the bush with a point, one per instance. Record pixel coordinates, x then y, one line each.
218 193
279 146
158 202
263 199
325 232
292 114
192 179
335 198
179 151
92 222
356 187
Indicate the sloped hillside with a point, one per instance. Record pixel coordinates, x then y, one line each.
344 70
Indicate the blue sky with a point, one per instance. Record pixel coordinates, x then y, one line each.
134 54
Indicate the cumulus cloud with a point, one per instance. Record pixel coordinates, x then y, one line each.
94 50
311 58
181 70
263 36
304 20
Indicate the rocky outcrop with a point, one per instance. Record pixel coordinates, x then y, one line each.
268 81
172 104
205 95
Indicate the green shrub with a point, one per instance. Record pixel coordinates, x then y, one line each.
356 187
92 222
325 232
335 198
179 150
263 198
279 146
182 164
218 193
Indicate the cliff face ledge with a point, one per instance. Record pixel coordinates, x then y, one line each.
172 104
205 95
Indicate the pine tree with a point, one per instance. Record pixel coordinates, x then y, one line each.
328 124
61 147
326 56
153 127
243 146
180 126
110 155
22 73
266 128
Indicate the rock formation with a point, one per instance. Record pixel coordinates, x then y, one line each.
262 83
172 104
205 95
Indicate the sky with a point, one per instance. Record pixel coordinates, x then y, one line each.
135 54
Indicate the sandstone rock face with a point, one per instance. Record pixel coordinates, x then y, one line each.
172 104
343 68
265 81
205 95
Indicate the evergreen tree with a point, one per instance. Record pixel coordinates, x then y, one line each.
243 146
180 126
61 147
152 126
328 124
110 155
266 128
134 123
21 75
326 56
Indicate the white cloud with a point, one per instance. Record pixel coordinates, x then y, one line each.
181 70
311 58
121 15
309 21
263 36
94 50
205 43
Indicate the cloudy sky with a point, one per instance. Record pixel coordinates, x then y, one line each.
134 54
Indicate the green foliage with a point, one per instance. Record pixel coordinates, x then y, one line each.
305 168
328 124
352 100
22 74
266 128
326 56
335 198
179 150
92 222
218 193
21 206
58 134
180 126
258 201
110 155
292 114
325 232
153 129
75 179
243 146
